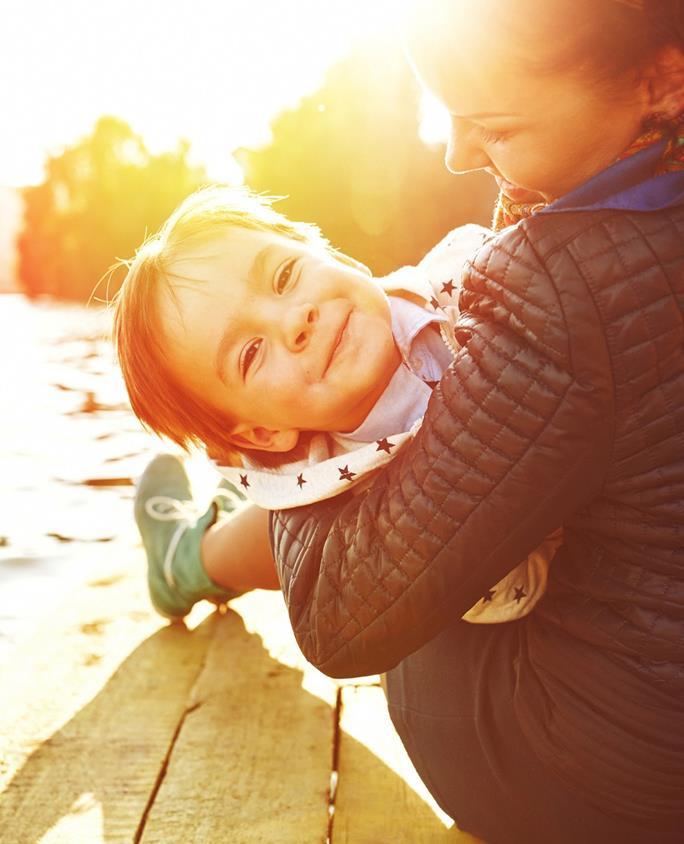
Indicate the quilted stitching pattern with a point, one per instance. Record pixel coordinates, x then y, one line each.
513 421
566 407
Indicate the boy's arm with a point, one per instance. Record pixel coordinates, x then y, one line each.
236 552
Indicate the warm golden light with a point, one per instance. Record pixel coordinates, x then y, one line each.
214 73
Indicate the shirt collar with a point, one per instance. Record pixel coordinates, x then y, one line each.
408 320
405 398
403 401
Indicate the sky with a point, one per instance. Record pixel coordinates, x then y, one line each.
212 71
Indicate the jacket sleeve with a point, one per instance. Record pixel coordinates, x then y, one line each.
515 439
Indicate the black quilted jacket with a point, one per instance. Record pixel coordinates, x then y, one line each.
564 407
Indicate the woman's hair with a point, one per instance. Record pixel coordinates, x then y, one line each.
606 38
161 403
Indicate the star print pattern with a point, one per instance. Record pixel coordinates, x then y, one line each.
519 594
489 596
244 481
301 481
448 287
385 445
431 384
345 474
435 304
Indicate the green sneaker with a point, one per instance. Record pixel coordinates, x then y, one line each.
171 533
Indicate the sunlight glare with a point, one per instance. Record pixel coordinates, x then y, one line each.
216 75
83 822
434 120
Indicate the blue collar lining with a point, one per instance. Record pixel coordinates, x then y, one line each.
627 185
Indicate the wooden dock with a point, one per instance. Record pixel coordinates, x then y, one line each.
116 727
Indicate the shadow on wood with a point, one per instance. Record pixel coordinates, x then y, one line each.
91 780
237 752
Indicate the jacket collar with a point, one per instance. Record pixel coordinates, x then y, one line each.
627 185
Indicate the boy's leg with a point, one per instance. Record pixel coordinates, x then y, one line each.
236 552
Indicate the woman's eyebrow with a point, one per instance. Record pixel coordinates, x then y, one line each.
255 276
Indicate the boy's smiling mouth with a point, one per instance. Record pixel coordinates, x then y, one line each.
337 342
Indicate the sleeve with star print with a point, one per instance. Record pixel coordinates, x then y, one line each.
516 438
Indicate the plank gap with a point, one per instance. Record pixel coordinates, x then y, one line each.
334 772
162 771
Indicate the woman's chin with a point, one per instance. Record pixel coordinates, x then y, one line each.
517 194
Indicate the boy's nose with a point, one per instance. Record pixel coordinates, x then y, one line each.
463 152
299 324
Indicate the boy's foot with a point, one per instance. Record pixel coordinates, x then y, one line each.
171 533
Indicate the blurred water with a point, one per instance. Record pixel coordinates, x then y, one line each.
64 424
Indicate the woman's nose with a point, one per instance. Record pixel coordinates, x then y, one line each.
464 153
299 323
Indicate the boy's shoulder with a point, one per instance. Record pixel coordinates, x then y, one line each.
455 249
436 280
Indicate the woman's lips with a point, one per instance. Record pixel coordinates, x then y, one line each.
515 193
337 343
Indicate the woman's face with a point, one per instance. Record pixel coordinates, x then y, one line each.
536 133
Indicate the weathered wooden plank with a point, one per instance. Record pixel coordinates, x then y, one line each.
253 760
379 796
265 614
89 708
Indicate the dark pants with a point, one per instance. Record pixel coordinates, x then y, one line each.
452 704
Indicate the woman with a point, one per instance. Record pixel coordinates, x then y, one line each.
565 406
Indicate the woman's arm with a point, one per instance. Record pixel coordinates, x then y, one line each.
516 437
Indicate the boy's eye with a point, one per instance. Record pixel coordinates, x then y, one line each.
284 275
248 355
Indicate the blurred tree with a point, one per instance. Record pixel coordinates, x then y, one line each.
99 199
350 159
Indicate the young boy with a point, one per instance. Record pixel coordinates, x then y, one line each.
300 374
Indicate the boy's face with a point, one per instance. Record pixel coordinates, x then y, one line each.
278 335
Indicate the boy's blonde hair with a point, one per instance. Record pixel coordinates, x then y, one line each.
158 400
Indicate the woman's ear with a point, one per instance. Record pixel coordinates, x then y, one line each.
263 439
664 78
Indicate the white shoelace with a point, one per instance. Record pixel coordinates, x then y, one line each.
166 509
185 513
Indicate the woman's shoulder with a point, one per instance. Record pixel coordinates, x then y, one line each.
598 231
546 250
559 279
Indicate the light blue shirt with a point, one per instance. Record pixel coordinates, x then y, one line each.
424 355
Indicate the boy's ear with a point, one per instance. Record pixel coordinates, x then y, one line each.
263 439
351 262
664 78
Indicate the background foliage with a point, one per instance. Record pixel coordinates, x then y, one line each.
99 199
348 158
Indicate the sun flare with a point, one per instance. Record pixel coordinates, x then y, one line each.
216 76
